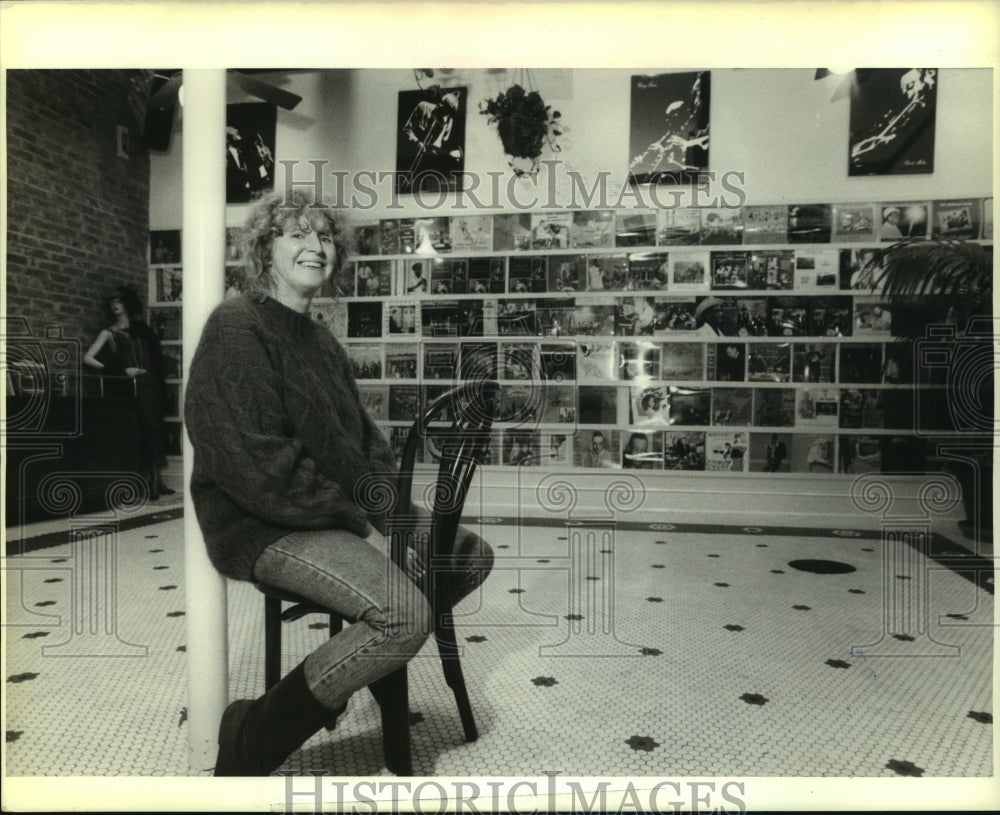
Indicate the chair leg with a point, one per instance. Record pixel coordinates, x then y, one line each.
272 641
452 666
391 693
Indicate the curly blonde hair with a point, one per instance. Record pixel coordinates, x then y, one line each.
267 220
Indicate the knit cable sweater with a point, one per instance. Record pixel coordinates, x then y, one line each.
279 434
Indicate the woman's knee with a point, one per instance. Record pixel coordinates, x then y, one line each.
404 622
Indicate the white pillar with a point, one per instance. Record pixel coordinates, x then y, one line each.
204 232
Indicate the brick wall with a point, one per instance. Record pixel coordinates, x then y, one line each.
77 214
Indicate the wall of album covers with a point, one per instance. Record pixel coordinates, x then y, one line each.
736 335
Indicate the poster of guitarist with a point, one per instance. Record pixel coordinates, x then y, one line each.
892 121
430 145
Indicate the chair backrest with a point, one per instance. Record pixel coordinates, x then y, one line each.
472 408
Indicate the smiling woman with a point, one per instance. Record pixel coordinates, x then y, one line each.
281 438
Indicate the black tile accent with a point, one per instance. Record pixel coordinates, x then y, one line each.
12 735
658 566
802 608
44 603
903 577
154 551
415 717
181 648
734 627
650 652
644 743
907 768
777 571
476 638
515 591
655 599
167 588
591 577
713 556
573 617
543 560
544 681
160 568
53 580
22 546
59 560
721 585
175 613
754 699
18 678
856 591
319 626
838 663
903 637
956 616
981 717
183 716
34 635
822 566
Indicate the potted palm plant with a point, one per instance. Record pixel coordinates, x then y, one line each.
942 291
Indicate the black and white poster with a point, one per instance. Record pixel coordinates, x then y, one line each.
250 131
892 121
668 136
430 140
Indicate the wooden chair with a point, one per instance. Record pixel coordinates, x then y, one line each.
462 446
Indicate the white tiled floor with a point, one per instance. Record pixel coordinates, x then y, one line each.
698 653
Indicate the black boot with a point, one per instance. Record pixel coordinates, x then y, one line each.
257 735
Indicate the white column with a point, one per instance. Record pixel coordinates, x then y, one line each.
204 232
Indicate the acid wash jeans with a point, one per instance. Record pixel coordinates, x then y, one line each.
354 577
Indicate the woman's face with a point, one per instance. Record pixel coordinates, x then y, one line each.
117 307
303 257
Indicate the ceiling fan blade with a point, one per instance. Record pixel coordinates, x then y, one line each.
262 90
165 95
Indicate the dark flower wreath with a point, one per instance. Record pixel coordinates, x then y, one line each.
525 124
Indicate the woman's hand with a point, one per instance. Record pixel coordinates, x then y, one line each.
134 372
414 565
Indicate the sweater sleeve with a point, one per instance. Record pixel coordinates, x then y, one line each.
234 416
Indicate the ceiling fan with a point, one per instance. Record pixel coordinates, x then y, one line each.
165 91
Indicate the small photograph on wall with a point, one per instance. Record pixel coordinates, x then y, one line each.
774 407
412 277
519 275
598 360
751 317
683 450
810 223
872 317
892 121
813 362
430 140
516 318
813 453
831 317
853 222
472 233
669 127
593 229
679 227
688 271
598 449
817 270
373 278
691 406
648 271
727 361
404 402
732 406
765 224
559 404
861 408
867 452
682 361
366 360
727 452
816 408
598 404
554 317
402 317
607 272
165 246
333 316
596 318
643 451
169 285
250 129
424 236
769 452
634 317
375 401
558 361
388 237
440 360
366 238
520 362
769 362
364 320
512 233
730 270
520 404
550 230
897 367
771 269
861 363
556 450
673 315
400 362
789 317
957 219
899 222
859 270
567 273
649 406
635 228
722 226
442 282
638 360
166 323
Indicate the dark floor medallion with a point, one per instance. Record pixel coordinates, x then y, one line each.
822 566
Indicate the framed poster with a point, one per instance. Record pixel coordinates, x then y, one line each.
668 133
892 121
430 140
250 131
